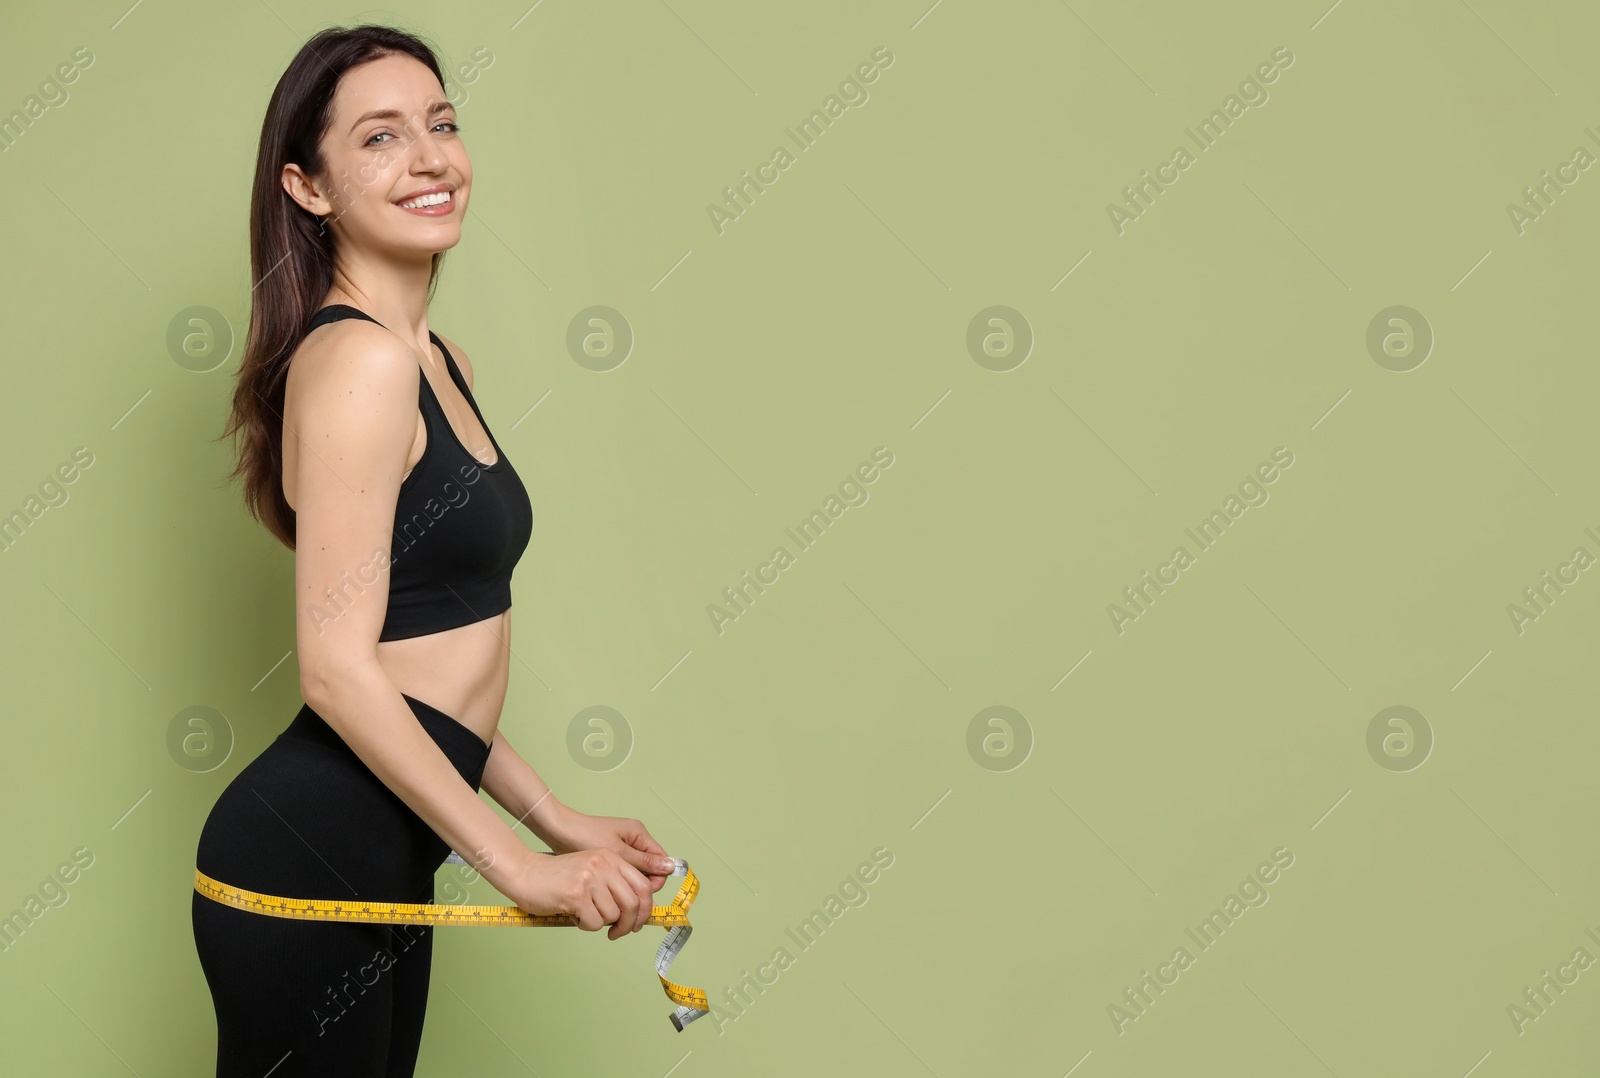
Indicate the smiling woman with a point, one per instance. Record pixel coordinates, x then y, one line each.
351 417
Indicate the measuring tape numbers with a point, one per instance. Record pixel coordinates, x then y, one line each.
674 917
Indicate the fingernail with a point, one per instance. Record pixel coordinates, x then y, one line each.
669 866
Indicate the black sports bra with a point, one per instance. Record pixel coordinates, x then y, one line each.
460 526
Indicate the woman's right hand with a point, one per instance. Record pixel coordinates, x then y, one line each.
596 887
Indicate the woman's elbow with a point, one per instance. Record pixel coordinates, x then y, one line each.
321 675
313 687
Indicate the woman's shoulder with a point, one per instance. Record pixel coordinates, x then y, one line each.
353 355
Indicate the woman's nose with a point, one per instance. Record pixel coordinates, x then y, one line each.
429 155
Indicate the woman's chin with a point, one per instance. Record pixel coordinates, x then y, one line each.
424 244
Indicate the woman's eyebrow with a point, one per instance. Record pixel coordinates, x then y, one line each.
394 114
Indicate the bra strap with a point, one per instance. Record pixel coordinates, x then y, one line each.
337 312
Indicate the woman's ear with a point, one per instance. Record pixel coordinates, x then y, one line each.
300 188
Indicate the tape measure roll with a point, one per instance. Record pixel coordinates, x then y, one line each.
674 917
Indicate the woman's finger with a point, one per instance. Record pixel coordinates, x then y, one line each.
639 838
647 863
627 903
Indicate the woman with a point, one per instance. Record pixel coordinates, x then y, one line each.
363 449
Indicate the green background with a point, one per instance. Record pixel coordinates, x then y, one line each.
832 718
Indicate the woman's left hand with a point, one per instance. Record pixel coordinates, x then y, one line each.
576 831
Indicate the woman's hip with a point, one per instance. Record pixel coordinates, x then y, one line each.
308 819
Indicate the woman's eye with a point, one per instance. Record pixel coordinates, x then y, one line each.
453 127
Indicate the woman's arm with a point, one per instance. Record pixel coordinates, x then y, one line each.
517 788
354 389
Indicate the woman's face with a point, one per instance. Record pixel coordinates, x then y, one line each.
392 140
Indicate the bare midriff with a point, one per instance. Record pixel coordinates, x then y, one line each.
462 671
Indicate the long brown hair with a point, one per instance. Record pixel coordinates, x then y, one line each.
292 253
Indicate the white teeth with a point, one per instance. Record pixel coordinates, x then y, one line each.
436 199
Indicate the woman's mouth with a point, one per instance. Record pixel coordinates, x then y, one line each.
437 204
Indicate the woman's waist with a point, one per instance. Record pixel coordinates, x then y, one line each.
466 745
462 672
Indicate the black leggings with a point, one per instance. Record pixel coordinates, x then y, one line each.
308 819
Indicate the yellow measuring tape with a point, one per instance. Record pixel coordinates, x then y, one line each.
674 918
